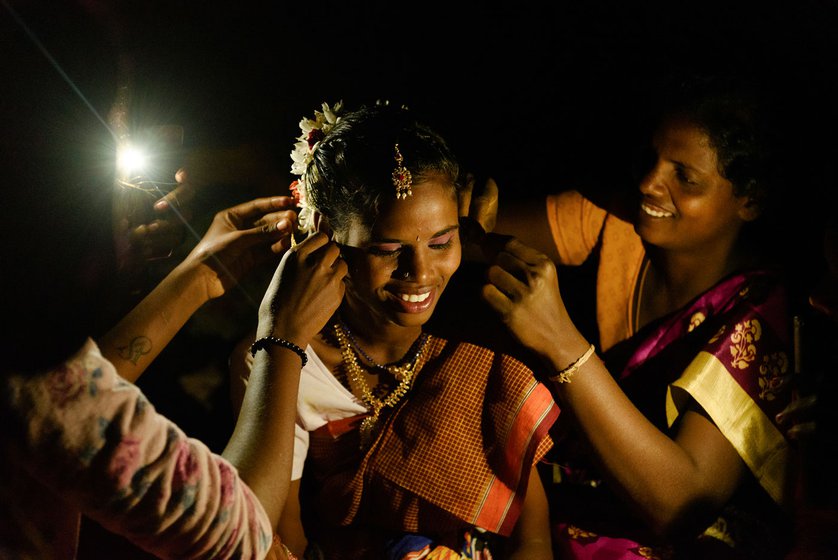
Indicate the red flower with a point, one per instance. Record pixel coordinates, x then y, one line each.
295 191
315 136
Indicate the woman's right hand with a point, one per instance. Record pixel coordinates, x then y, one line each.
799 418
305 291
523 288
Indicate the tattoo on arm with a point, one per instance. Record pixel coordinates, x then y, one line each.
134 350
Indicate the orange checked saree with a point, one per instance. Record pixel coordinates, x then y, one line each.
727 352
447 469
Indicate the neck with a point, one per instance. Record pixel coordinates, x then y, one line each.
680 276
385 342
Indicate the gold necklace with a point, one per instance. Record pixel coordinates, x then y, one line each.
404 374
392 368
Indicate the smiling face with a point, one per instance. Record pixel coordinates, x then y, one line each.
686 203
399 267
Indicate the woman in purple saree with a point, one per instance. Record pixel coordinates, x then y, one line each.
726 351
666 446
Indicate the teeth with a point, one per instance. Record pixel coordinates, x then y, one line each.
414 298
656 213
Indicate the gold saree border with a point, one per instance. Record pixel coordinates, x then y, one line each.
754 436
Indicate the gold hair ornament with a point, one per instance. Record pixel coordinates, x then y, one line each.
402 179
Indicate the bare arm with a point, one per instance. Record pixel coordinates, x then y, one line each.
531 538
290 525
290 528
240 371
304 293
669 481
238 239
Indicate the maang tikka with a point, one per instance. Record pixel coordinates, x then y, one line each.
402 178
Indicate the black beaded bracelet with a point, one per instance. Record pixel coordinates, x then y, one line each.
262 343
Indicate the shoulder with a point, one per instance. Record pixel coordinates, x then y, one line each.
476 356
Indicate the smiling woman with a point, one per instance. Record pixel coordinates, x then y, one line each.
80 441
401 264
685 199
379 389
676 421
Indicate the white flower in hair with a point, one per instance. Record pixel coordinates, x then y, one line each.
312 131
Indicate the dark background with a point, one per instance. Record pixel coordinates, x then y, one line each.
531 92
542 96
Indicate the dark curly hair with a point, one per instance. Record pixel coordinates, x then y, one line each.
350 174
737 116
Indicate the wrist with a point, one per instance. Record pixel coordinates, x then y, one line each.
278 329
189 284
267 342
566 374
202 279
567 352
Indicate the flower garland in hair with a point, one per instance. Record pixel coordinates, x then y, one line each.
312 132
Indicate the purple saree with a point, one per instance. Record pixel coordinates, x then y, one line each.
726 351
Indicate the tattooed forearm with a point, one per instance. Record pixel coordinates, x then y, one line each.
136 349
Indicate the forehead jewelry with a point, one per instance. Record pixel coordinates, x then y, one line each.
401 176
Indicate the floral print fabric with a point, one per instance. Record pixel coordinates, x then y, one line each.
79 439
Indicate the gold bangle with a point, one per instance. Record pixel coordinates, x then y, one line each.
565 375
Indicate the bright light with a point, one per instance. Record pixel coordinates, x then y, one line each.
149 159
131 160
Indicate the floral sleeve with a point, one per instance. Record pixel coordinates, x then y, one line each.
95 440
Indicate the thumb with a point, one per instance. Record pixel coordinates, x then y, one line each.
179 197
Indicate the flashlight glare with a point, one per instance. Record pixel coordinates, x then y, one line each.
131 160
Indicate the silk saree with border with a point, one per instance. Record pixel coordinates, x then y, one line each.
727 352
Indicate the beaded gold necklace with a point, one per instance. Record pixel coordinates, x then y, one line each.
403 374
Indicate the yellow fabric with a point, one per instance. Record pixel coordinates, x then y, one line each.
738 417
576 225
